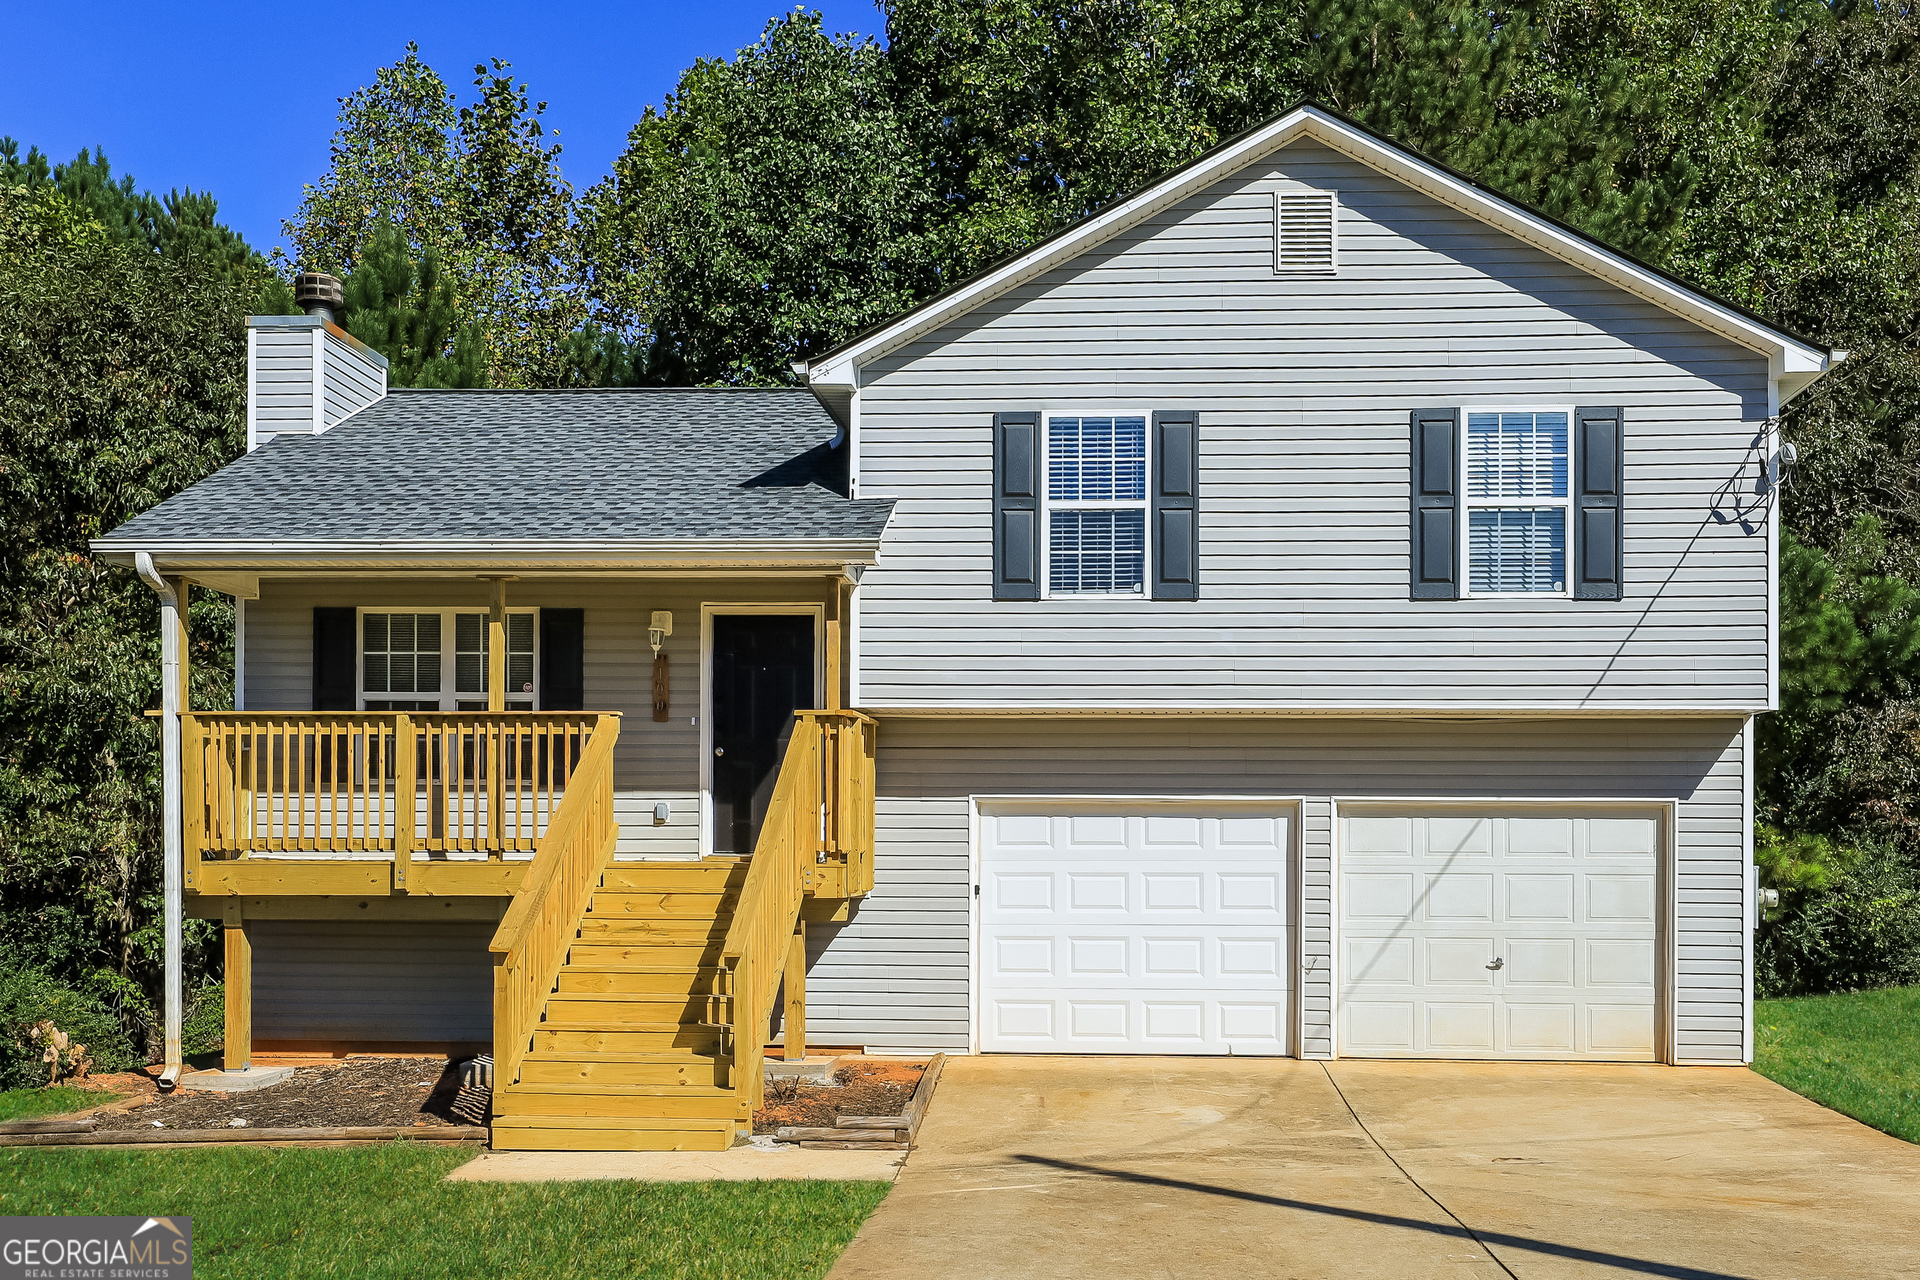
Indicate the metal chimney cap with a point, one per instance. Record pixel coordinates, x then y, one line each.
318 294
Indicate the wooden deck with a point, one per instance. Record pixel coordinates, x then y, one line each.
632 1001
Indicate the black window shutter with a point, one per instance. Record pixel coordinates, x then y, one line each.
1016 506
562 648
1598 452
1436 504
1176 505
334 660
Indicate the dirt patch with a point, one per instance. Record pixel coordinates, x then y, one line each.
360 1091
865 1088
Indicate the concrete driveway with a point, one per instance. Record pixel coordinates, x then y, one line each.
1148 1167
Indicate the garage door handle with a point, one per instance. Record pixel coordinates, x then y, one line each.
1498 963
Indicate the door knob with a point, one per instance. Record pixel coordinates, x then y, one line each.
1498 963
719 751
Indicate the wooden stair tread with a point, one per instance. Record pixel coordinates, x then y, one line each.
617 1090
617 1027
658 1057
686 1123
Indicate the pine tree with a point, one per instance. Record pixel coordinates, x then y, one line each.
407 311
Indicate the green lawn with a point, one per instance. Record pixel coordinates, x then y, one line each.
368 1212
25 1104
1859 1054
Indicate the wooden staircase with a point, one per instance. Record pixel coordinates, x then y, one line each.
632 1001
620 1058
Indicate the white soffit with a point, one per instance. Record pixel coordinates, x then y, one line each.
1793 364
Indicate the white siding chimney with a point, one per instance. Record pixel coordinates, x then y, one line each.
305 374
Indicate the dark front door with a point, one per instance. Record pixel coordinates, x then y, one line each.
762 674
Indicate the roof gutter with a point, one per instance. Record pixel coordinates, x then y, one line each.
186 555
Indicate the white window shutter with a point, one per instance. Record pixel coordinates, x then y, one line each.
1305 233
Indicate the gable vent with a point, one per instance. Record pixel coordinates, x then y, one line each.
1304 233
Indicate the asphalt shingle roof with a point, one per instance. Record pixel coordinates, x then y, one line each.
645 463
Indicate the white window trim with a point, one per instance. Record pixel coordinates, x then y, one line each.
1469 504
1048 506
448 696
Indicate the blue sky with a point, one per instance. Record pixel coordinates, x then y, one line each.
240 99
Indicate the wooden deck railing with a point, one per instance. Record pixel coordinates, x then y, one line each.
843 867
376 782
819 818
532 941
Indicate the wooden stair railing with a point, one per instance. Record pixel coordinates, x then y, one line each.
531 944
817 837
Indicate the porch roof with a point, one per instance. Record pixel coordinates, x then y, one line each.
419 470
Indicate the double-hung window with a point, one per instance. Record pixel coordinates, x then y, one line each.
1095 488
437 660
1516 500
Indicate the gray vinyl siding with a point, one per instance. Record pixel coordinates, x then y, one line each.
283 378
352 381
348 980
896 976
1304 388
652 761
282 383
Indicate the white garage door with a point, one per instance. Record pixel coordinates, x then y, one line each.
1139 929
1518 933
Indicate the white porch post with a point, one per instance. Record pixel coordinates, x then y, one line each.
171 705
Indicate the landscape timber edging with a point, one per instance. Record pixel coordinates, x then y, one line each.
871 1133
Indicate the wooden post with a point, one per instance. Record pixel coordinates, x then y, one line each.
403 785
193 801
490 742
796 1017
181 588
239 1039
833 644
497 648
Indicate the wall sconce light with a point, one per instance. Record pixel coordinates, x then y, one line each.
659 627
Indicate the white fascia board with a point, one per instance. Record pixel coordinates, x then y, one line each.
823 555
1793 363
1355 711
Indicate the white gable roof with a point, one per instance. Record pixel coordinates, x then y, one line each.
1793 362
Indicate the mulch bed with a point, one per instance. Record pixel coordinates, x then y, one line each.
865 1089
360 1091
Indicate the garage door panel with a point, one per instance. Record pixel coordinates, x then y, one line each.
1504 933
1165 931
1458 962
1454 1026
1458 896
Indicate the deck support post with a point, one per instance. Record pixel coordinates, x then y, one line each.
239 987
795 1021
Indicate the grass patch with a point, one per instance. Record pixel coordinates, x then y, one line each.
1858 1054
372 1212
25 1104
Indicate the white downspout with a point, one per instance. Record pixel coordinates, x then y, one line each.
169 804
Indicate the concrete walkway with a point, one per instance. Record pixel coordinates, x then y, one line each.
1161 1167
741 1164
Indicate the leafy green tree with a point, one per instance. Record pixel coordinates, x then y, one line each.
122 380
475 187
1033 113
182 224
406 311
773 205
